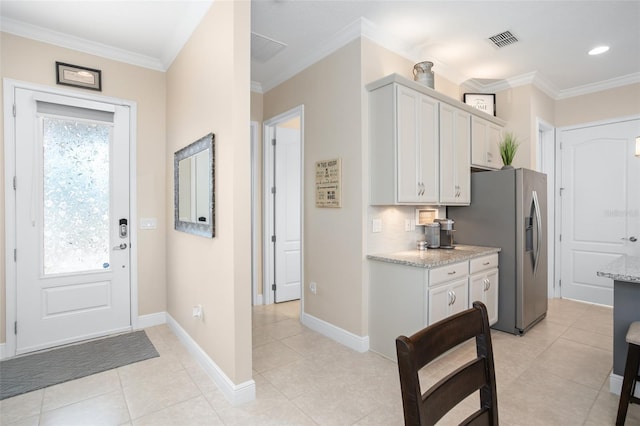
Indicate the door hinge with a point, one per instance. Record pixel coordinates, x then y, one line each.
273 287
560 237
15 327
559 283
273 238
15 255
13 109
273 141
273 189
15 183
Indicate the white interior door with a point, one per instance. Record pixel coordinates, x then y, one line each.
72 217
287 214
600 206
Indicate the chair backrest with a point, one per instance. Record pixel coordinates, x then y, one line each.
417 351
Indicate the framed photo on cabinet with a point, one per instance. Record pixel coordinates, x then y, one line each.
485 102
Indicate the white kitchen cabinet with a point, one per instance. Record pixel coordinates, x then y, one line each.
455 140
485 137
404 166
483 284
448 299
400 300
397 304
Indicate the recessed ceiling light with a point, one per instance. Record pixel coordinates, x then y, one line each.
598 50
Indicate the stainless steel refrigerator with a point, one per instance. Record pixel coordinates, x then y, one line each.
509 210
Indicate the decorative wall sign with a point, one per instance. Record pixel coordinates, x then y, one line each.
485 102
328 183
73 75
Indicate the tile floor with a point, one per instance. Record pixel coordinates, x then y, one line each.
557 374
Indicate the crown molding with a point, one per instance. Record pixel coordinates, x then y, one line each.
21 29
599 86
256 87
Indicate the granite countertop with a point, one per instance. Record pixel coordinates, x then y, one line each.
625 268
433 258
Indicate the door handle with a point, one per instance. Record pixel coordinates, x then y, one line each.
538 217
632 239
120 247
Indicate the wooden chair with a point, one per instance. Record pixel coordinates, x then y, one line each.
631 376
428 344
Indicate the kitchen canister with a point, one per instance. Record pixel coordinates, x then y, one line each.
432 234
422 73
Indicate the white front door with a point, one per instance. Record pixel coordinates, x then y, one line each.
600 197
72 219
287 214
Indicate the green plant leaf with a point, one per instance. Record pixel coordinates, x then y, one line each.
508 148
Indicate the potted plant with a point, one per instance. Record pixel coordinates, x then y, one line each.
508 147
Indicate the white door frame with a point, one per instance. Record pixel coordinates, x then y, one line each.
546 163
255 213
558 248
267 201
9 87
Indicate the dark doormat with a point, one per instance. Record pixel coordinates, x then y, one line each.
40 370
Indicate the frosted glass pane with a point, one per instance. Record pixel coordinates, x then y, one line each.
76 195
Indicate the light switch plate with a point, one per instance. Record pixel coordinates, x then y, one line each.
148 223
376 225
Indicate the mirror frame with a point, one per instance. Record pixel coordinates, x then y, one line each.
195 228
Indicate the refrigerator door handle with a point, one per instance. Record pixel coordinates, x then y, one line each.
538 216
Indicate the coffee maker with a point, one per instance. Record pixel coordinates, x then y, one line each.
446 233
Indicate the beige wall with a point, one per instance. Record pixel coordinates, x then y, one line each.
34 62
208 91
330 92
604 105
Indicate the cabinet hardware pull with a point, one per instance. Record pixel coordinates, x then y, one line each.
451 273
486 263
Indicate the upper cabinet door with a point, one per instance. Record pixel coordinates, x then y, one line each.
417 147
404 147
485 137
455 177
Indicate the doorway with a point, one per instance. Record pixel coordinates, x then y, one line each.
71 234
600 204
283 195
546 164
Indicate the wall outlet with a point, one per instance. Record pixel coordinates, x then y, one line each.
313 287
197 311
407 225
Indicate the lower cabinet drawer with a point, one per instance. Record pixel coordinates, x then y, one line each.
483 263
448 273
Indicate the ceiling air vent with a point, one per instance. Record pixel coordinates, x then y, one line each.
264 48
503 39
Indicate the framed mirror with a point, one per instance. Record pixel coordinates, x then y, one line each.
194 184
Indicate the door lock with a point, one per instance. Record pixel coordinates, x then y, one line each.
123 228
632 239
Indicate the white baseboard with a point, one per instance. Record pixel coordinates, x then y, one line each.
2 349
236 394
350 340
259 300
615 385
150 320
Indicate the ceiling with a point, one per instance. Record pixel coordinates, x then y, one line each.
554 36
